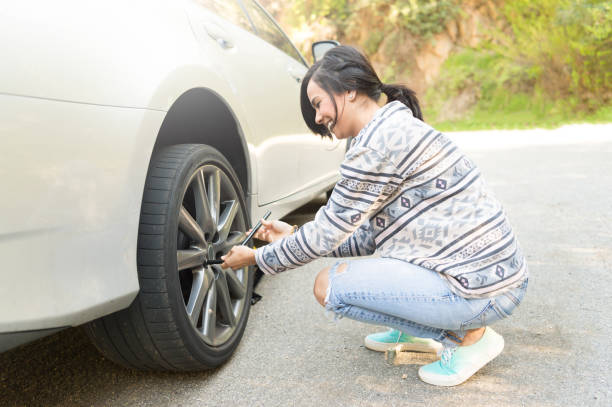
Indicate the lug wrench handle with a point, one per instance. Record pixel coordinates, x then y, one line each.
245 241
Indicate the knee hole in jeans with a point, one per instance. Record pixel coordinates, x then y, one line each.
332 272
323 282
341 268
321 285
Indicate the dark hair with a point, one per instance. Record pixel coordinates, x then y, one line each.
344 68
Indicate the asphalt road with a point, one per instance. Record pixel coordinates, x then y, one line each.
556 187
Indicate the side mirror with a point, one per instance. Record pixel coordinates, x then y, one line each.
319 48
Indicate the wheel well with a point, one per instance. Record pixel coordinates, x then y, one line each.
200 116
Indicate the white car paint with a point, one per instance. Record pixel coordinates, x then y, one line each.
281 141
84 89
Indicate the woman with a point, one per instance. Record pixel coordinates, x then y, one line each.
449 263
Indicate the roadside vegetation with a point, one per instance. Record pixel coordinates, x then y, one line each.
477 64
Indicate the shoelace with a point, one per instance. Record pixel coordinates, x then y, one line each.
447 356
399 336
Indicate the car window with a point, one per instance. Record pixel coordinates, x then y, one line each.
230 10
268 31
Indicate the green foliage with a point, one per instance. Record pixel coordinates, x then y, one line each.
548 61
389 73
422 18
373 41
555 115
564 46
336 12
551 63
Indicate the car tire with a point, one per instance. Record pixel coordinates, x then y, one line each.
187 316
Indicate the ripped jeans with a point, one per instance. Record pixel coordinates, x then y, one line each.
412 299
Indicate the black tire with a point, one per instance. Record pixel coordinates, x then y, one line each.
158 331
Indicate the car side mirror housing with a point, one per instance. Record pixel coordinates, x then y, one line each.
319 48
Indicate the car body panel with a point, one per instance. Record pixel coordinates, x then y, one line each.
82 99
70 208
91 52
278 138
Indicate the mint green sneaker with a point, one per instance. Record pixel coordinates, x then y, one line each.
382 341
459 364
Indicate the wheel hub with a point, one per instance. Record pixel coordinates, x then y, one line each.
210 252
211 219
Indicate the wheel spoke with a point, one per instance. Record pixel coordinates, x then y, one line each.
224 300
210 223
187 259
234 239
214 194
204 216
190 227
236 288
227 218
209 320
202 280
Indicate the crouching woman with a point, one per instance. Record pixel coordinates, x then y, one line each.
449 263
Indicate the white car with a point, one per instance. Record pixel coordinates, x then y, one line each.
138 140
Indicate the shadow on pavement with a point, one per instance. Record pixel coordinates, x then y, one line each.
63 368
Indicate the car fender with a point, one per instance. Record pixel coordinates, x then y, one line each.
79 134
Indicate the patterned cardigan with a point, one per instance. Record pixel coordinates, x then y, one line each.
408 193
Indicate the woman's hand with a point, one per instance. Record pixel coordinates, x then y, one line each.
272 230
242 256
239 257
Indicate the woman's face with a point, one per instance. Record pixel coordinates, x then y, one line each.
325 112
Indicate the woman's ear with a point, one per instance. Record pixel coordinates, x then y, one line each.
351 94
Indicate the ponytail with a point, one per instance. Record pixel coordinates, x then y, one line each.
404 95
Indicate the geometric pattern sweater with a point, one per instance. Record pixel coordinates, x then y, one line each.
407 192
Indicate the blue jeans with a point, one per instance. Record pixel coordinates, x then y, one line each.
412 299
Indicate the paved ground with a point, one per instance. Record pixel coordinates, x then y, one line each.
556 187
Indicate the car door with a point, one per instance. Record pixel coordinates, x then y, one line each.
265 71
317 159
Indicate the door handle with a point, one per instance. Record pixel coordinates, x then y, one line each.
298 76
219 35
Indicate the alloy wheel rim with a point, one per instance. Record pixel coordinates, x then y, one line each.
210 222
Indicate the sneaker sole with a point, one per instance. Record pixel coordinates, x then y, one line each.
457 379
406 346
